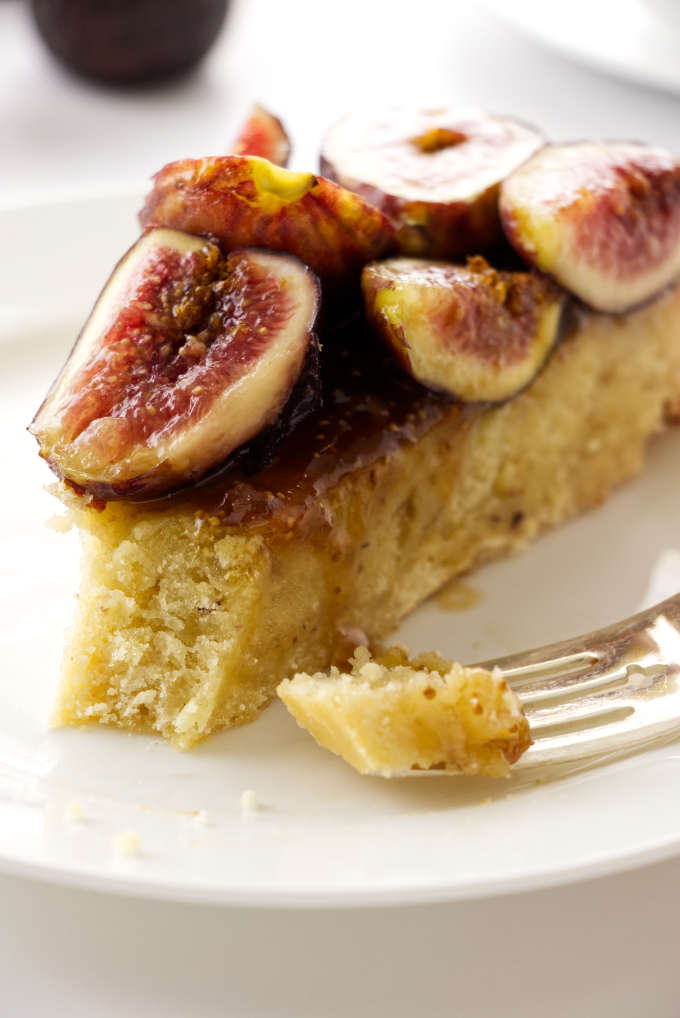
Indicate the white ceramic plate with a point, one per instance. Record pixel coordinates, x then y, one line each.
623 37
322 835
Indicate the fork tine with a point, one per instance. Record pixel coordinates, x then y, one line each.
566 665
575 688
613 690
625 729
634 675
581 712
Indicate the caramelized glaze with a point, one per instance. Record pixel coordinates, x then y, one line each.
369 408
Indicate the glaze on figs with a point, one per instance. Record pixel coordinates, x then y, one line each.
187 355
602 219
245 200
471 331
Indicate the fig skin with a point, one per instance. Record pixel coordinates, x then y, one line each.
434 173
304 400
129 42
245 200
601 219
186 357
263 135
472 332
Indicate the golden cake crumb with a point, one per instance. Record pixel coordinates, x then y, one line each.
396 714
61 522
126 844
73 811
249 803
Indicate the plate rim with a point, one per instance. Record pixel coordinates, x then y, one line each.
262 895
271 896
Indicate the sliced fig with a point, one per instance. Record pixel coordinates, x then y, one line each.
472 332
602 219
263 135
304 400
186 356
435 173
244 200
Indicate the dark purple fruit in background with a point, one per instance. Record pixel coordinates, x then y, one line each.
129 41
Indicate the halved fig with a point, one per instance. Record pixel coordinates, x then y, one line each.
602 219
187 355
435 173
263 135
244 200
472 332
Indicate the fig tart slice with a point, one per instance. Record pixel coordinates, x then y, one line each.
345 489
193 608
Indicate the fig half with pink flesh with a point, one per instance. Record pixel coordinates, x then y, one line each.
187 355
245 200
263 135
435 173
469 331
602 219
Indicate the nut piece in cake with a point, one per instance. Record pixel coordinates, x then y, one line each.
472 332
603 220
187 355
244 200
393 715
263 135
435 173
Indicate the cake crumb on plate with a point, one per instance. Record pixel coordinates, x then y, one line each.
73 812
126 844
249 803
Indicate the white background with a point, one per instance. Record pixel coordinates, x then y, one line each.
602 948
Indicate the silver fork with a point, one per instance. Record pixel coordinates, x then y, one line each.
612 691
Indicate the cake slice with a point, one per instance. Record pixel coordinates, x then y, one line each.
192 609
335 520
395 714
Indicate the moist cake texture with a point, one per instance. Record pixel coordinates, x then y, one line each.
395 714
193 608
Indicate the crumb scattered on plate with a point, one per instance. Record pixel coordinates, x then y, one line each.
73 812
249 802
126 844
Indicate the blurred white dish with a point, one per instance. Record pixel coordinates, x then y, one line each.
668 11
111 811
625 37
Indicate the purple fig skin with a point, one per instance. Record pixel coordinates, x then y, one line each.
602 219
304 400
186 357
